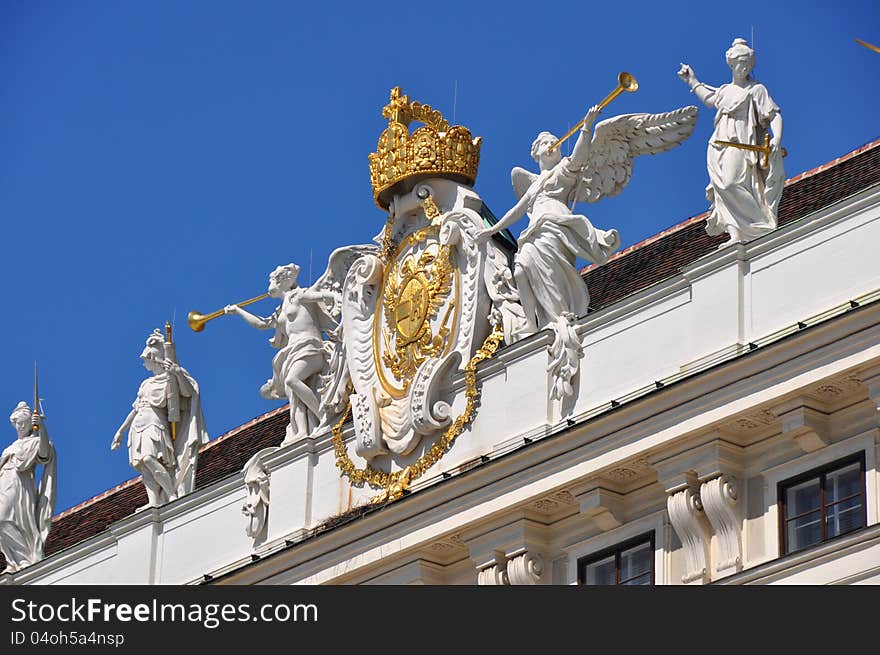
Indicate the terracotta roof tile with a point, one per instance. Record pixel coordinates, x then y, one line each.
629 271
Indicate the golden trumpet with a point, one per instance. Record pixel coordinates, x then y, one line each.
197 321
625 82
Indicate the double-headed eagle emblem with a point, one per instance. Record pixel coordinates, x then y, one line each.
416 288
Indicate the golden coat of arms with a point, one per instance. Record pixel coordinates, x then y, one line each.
417 313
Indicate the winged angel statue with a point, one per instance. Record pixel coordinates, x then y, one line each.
309 371
551 289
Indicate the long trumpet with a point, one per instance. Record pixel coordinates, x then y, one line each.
625 82
197 321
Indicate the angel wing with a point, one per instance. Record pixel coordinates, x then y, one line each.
335 376
332 280
619 140
522 180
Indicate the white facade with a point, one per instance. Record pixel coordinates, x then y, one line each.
703 429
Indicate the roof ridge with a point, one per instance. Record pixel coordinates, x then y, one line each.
694 219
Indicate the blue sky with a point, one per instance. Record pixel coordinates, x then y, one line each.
157 157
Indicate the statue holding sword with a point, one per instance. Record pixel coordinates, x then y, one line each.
166 425
746 174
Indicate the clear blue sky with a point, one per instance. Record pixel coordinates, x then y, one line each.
157 157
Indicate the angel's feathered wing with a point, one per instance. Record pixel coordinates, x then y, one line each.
619 140
334 379
522 180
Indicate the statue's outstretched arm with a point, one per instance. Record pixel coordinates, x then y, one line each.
512 216
258 322
699 89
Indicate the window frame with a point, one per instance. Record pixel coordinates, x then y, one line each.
616 550
821 472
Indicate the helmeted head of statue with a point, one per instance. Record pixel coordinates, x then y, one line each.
21 419
153 353
741 59
283 279
540 150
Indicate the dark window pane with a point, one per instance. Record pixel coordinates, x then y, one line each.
641 580
635 561
801 498
602 572
843 517
804 531
843 482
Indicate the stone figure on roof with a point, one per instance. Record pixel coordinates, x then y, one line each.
599 166
745 184
166 426
551 290
307 370
25 507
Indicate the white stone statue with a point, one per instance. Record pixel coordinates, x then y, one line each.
743 192
307 370
162 450
25 509
598 167
551 290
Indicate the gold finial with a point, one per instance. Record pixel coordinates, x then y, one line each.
168 332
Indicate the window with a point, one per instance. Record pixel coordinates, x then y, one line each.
822 504
630 563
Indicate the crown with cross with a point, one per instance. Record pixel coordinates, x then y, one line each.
433 150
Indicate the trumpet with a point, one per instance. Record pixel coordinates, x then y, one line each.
625 82
197 321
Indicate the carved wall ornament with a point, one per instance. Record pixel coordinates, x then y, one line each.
496 574
525 569
688 520
719 499
256 505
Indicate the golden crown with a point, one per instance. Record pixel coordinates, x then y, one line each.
433 150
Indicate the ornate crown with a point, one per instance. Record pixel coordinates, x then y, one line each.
434 150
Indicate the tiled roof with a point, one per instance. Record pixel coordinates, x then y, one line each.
628 271
662 255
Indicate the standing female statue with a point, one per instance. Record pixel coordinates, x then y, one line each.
25 511
744 196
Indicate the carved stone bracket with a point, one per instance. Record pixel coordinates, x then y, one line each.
806 421
604 507
508 553
719 498
687 517
495 574
525 569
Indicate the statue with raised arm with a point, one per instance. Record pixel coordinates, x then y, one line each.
25 508
307 370
164 450
746 174
599 166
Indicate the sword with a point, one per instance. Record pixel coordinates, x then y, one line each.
36 411
764 150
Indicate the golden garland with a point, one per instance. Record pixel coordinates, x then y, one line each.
394 484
